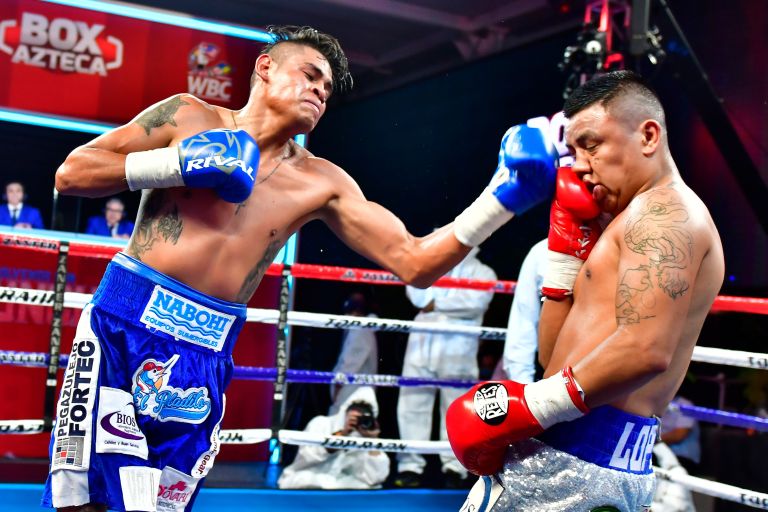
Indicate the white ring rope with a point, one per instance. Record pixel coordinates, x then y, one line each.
295 437
718 490
269 316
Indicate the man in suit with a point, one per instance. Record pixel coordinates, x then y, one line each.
17 214
112 222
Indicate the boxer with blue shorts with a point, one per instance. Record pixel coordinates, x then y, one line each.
138 418
600 462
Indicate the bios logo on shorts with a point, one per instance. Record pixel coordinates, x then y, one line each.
60 44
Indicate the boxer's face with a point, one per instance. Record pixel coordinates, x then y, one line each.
301 84
605 157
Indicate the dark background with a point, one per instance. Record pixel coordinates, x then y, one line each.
426 149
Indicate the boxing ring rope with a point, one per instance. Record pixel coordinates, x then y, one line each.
328 321
39 359
354 275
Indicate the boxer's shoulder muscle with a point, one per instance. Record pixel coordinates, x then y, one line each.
662 249
181 115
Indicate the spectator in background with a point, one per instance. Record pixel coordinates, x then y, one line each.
681 434
359 353
518 362
670 496
112 223
318 467
439 356
17 214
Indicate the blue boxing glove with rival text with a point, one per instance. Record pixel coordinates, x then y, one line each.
524 177
224 160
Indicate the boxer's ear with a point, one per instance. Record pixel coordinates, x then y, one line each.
650 132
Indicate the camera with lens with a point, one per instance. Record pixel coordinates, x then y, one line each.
366 420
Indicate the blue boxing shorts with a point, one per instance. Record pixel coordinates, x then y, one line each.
599 462
137 422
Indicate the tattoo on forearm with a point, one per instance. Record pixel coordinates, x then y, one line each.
157 221
161 114
253 278
658 231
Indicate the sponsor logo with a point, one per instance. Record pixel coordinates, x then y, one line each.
634 455
218 161
60 44
121 425
153 397
177 493
491 403
175 490
555 128
73 416
209 75
21 296
186 320
335 442
758 362
754 499
29 242
377 325
231 437
30 274
205 460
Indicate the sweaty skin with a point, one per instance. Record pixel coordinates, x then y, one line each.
641 298
223 249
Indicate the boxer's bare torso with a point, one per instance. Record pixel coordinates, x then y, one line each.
223 249
661 252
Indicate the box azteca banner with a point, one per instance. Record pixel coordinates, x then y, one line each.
75 62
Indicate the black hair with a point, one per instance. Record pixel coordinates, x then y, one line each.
362 406
326 44
356 302
605 88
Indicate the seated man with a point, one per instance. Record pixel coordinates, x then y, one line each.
17 214
317 467
112 223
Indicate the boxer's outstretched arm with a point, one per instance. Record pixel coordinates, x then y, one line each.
97 169
376 233
660 257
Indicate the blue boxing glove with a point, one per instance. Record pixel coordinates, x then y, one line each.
224 160
524 177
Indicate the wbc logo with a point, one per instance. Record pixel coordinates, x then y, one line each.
209 75
60 44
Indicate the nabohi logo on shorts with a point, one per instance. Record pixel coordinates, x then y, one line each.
491 403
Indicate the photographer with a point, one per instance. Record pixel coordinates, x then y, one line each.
317 467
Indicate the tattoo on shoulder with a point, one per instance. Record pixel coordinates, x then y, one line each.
161 114
659 231
253 278
157 221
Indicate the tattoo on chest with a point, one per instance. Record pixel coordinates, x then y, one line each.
158 221
659 231
161 114
253 278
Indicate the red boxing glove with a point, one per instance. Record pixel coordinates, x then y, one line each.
484 421
573 233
